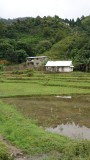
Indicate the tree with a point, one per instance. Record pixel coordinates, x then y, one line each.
5 48
72 22
78 22
43 46
82 59
2 29
11 32
47 32
25 46
60 35
21 55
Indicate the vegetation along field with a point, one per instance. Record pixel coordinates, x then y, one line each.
33 101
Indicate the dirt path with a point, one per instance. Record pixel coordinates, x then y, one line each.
14 152
17 154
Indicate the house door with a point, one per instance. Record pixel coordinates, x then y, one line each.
62 69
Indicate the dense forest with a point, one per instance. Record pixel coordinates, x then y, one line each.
59 39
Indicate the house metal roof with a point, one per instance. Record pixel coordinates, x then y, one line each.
59 63
36 57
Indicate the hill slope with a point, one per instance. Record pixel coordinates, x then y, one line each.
52 36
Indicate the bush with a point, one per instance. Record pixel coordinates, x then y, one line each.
17 72
29 72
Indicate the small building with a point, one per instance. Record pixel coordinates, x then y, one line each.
36 61
59 66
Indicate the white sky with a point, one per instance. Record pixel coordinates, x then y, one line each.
33 8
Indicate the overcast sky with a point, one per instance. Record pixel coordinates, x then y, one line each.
31 8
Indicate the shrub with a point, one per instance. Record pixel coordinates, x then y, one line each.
17 72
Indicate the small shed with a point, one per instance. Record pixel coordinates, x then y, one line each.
59 66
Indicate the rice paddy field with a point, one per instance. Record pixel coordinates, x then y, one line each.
34 103
42 84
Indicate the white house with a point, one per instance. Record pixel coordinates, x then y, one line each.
36 61
59 66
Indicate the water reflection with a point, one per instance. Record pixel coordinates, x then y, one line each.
72 131
66 97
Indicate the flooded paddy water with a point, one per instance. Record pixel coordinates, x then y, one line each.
65 115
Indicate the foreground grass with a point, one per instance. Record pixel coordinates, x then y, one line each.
44 84
33 140
4 153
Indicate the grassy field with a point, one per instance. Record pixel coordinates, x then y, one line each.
27 83
23 132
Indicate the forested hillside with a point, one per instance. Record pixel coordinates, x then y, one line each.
60 39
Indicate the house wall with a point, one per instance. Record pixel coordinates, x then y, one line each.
59 69
65 69
36 61
39 61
